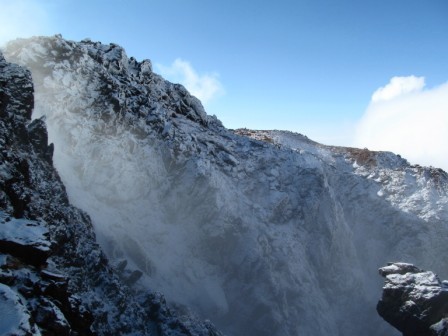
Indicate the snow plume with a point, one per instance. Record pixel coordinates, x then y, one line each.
145 208
205 87
21 18
405 118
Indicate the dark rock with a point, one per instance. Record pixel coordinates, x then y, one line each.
398 268
16 92
53 276
33 256
121 265
25 239
51 320
133 277
414 301
39 139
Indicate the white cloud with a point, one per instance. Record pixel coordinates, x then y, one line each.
398 86
21 18
205 87
407 119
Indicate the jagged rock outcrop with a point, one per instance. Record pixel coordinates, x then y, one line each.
24 239
265 233
54 277
414 301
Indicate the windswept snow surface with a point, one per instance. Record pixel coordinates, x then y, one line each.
276 237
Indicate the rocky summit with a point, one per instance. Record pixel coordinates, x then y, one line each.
129 189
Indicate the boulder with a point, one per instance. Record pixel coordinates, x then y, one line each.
414 301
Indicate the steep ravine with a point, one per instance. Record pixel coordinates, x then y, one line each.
264 233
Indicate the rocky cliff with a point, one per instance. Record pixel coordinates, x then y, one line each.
54 278
262 232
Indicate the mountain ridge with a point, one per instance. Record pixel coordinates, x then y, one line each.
265 237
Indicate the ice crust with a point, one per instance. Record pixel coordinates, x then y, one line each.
277 236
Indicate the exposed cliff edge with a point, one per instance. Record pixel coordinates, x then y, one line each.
262 232
414 301
54 278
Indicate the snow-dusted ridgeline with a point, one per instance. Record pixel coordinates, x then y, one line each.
281 236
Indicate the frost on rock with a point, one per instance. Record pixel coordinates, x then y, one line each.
24 239
414 301
262 232
54 277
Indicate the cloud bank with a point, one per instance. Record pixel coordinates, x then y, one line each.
205 87
407 119
21 18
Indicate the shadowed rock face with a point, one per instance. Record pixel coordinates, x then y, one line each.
414 301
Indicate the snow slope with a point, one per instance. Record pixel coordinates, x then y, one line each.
264 233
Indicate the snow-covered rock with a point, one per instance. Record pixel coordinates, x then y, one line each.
15 316
262 232
24 239
54 277
414 301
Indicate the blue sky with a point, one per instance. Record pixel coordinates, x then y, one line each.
309 66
